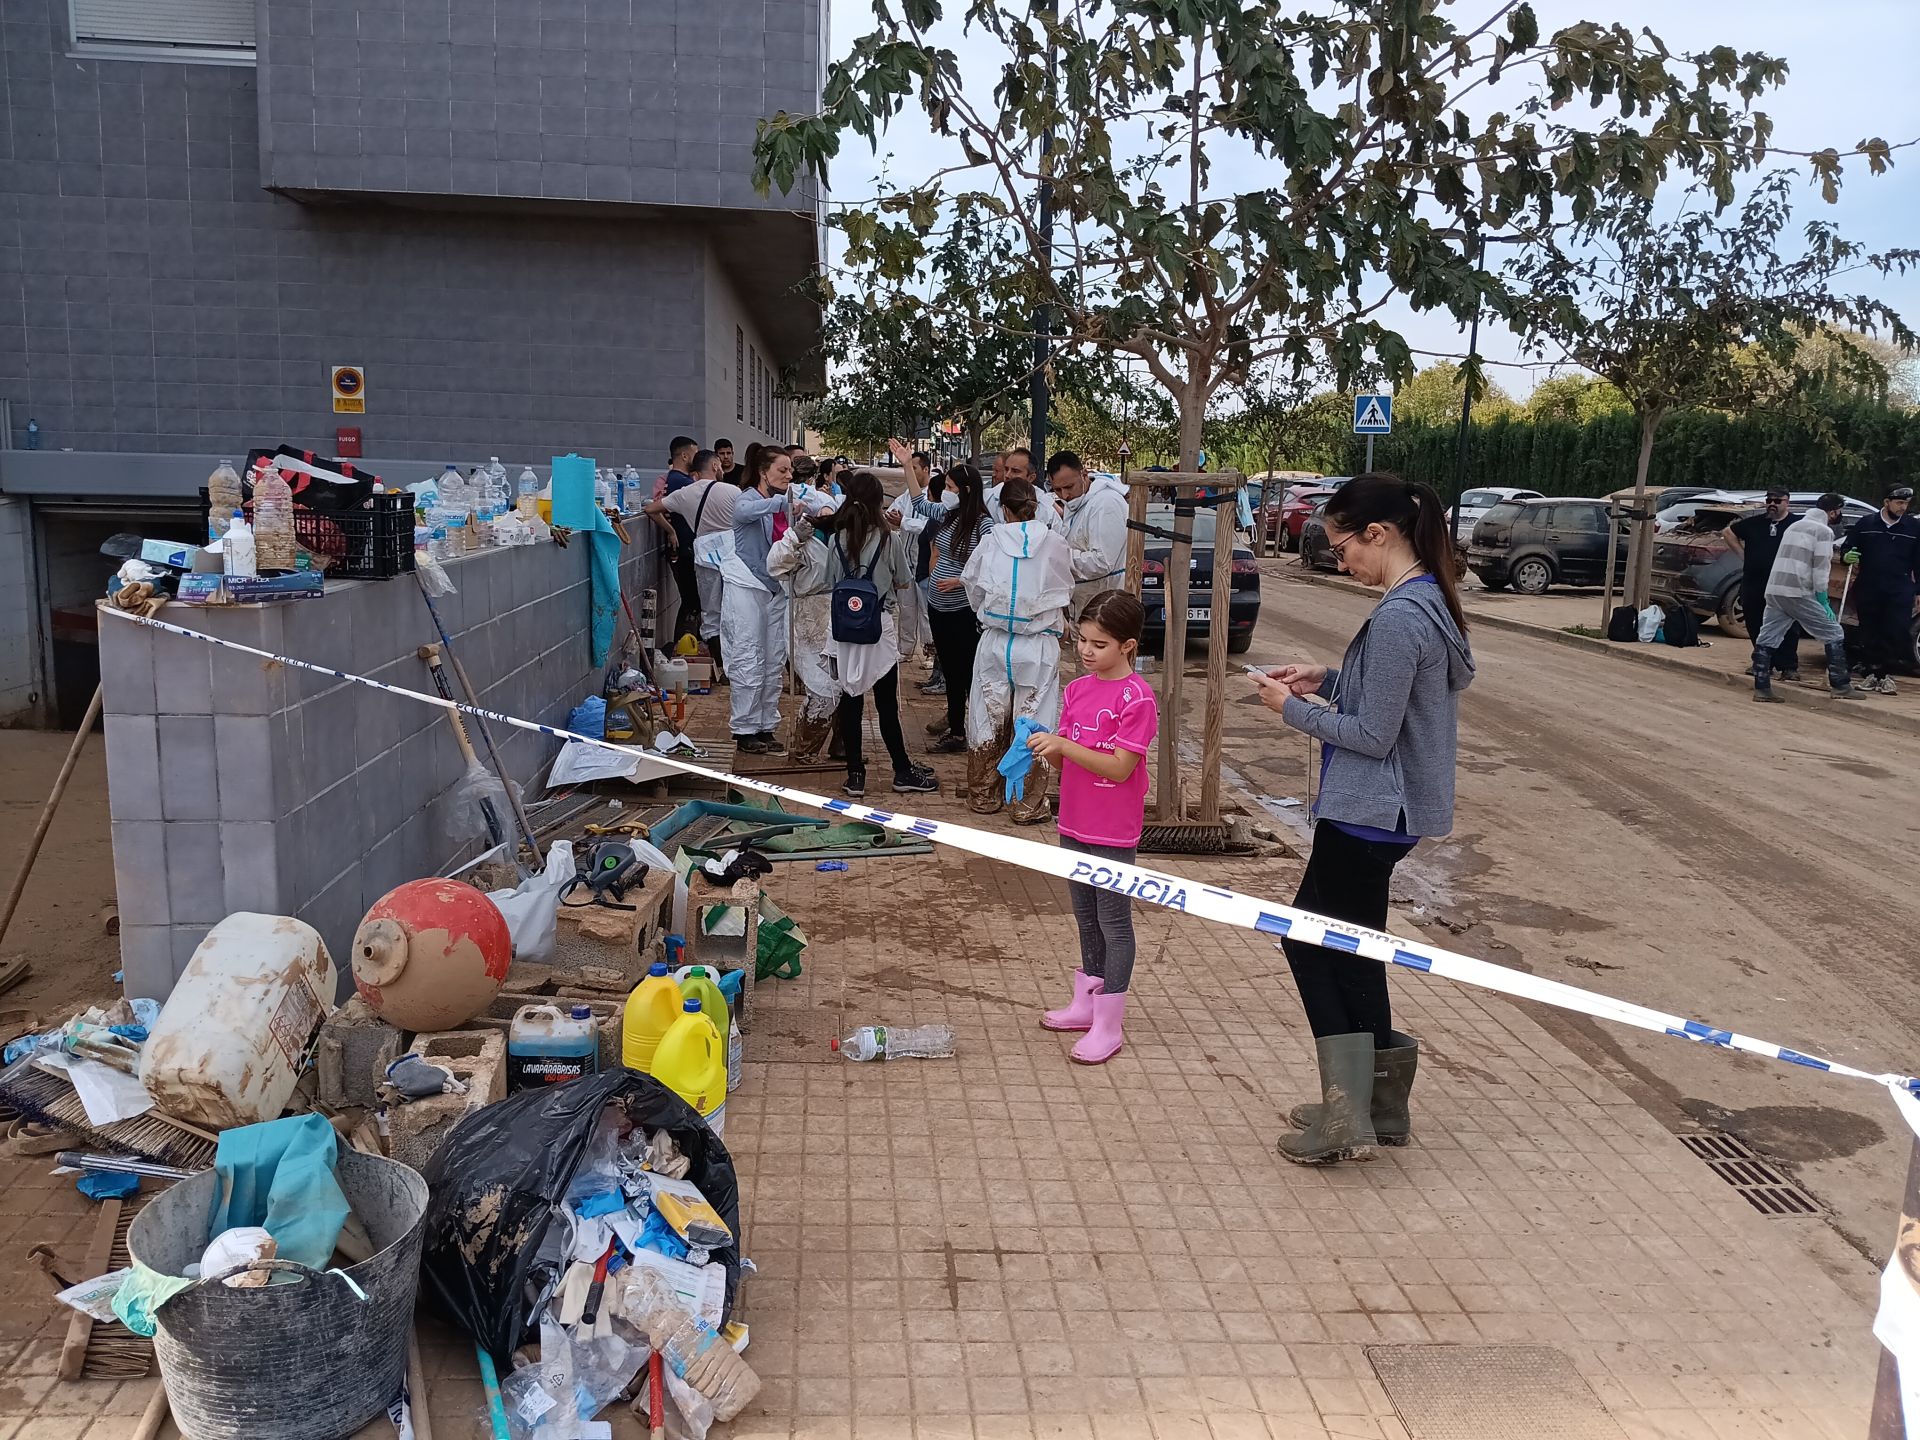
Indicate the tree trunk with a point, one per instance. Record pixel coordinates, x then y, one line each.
1639 585
976 438
1192 400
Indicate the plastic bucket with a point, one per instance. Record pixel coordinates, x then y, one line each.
306 1359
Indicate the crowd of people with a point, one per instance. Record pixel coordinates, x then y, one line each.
786 559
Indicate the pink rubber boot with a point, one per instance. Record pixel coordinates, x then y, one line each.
1103 1038
1079 1014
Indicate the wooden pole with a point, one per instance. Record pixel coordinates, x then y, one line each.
1171 802
1606 584
46 812
1136 539
1888 1418
1219 612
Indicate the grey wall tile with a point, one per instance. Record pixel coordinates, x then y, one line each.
133 767
140 879
146 960
189 768
196 887
249 856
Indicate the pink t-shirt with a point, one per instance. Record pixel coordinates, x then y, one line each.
1106 715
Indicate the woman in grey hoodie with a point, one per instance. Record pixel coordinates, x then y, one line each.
1386 779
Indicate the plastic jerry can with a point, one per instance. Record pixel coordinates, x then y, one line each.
231 1042
691 1061
698 983
549 1046
652 1009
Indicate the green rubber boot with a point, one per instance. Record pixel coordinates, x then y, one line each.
1393 1072
1344 1129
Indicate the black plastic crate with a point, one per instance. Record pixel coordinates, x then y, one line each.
373 541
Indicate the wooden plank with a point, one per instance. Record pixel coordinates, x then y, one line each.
1224 514
1136 539
73 1353
1170 801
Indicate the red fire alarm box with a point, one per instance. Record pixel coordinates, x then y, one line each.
346 442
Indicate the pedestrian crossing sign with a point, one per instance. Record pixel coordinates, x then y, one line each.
1373 414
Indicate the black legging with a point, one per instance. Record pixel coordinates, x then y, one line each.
956 635
1346 879
851 716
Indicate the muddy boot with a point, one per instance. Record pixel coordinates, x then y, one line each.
809 736
1344 1129
1032 807
984 786
1393 1072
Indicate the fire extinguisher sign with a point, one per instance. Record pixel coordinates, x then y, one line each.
349 390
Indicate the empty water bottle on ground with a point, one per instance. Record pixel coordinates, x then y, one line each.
887 1042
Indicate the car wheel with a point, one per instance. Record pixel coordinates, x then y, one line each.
1240 644
1288 542
1732 615
1533 575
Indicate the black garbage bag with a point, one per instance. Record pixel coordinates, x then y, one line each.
494 1183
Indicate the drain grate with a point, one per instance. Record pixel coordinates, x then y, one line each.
1490 1392
1766 1187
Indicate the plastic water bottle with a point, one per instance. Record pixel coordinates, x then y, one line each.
438 547
273 520
630 482
453 488
223 498
529 502
602 489
236 548
883 1042
33 434
497 494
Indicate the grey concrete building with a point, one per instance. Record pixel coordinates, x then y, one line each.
529 222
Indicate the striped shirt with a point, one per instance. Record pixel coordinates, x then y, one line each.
946 565
1801 567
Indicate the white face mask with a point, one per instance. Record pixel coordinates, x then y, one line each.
950 500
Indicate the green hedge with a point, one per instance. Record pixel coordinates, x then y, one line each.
1746 452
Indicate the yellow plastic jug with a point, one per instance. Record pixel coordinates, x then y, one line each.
652 1009
691 1061
698 984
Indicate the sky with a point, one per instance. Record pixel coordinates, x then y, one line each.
1852 77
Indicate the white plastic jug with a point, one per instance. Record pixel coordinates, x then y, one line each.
231 1038
671 675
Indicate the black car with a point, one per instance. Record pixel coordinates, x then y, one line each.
1243 610
1533 544
1315 552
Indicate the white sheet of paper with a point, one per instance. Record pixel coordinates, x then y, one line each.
106 1094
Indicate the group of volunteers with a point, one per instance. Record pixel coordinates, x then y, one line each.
1787 565
1000 575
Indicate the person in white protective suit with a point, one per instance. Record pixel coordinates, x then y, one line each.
753 606
786 561
1018 580
910 612
1096 521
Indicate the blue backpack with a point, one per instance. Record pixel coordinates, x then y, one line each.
856 603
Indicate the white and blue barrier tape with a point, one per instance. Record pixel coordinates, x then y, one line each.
1153 887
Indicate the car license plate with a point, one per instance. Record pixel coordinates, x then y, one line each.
1196 613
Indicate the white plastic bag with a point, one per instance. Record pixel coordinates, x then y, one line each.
531 908
1649 622
433 575
241 1245
472 796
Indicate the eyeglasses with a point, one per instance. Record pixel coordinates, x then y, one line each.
1339 547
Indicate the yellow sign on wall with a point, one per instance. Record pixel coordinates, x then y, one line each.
349 390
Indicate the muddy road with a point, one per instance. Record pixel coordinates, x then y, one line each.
1663 839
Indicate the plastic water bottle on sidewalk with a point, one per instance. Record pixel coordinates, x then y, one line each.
885 1042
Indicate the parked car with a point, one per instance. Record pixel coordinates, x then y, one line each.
1315 552
1534 544
1243 597
1694 566
1475 504
1293 512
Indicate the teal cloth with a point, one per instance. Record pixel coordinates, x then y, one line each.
280 1175
574 508
141 1295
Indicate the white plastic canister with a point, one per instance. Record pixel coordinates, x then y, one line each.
234 1033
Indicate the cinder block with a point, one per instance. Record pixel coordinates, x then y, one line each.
356 1047
478 1057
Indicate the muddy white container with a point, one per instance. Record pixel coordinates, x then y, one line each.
232 1036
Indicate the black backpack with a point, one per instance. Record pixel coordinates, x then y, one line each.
1683 626
856 602
1623 626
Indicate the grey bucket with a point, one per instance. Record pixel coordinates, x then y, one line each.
308 1360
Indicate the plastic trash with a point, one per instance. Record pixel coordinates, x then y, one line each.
1648 623
242 1245
693 1349
468 803
417 1079
589 718
884 1042
103 1185
532 907
832 866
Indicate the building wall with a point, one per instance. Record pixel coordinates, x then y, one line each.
650 101
154 297
238 785
731 337
21 684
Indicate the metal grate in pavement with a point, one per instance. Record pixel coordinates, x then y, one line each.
1490 1392
1767 1187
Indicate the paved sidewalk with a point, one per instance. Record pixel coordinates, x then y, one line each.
1005 1245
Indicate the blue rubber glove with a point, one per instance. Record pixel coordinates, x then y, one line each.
1018 760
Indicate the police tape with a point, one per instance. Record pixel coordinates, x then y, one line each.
1152 887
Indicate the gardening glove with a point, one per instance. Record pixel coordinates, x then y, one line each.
1852 557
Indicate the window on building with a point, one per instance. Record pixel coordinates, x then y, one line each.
754 357
219 30
739 373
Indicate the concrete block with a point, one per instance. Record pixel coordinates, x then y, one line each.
356 1047
133 767
479 1057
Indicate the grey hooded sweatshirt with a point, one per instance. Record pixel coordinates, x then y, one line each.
1394 714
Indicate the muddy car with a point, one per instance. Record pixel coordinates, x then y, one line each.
1534 544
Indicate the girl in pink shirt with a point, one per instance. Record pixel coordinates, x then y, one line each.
1107 724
